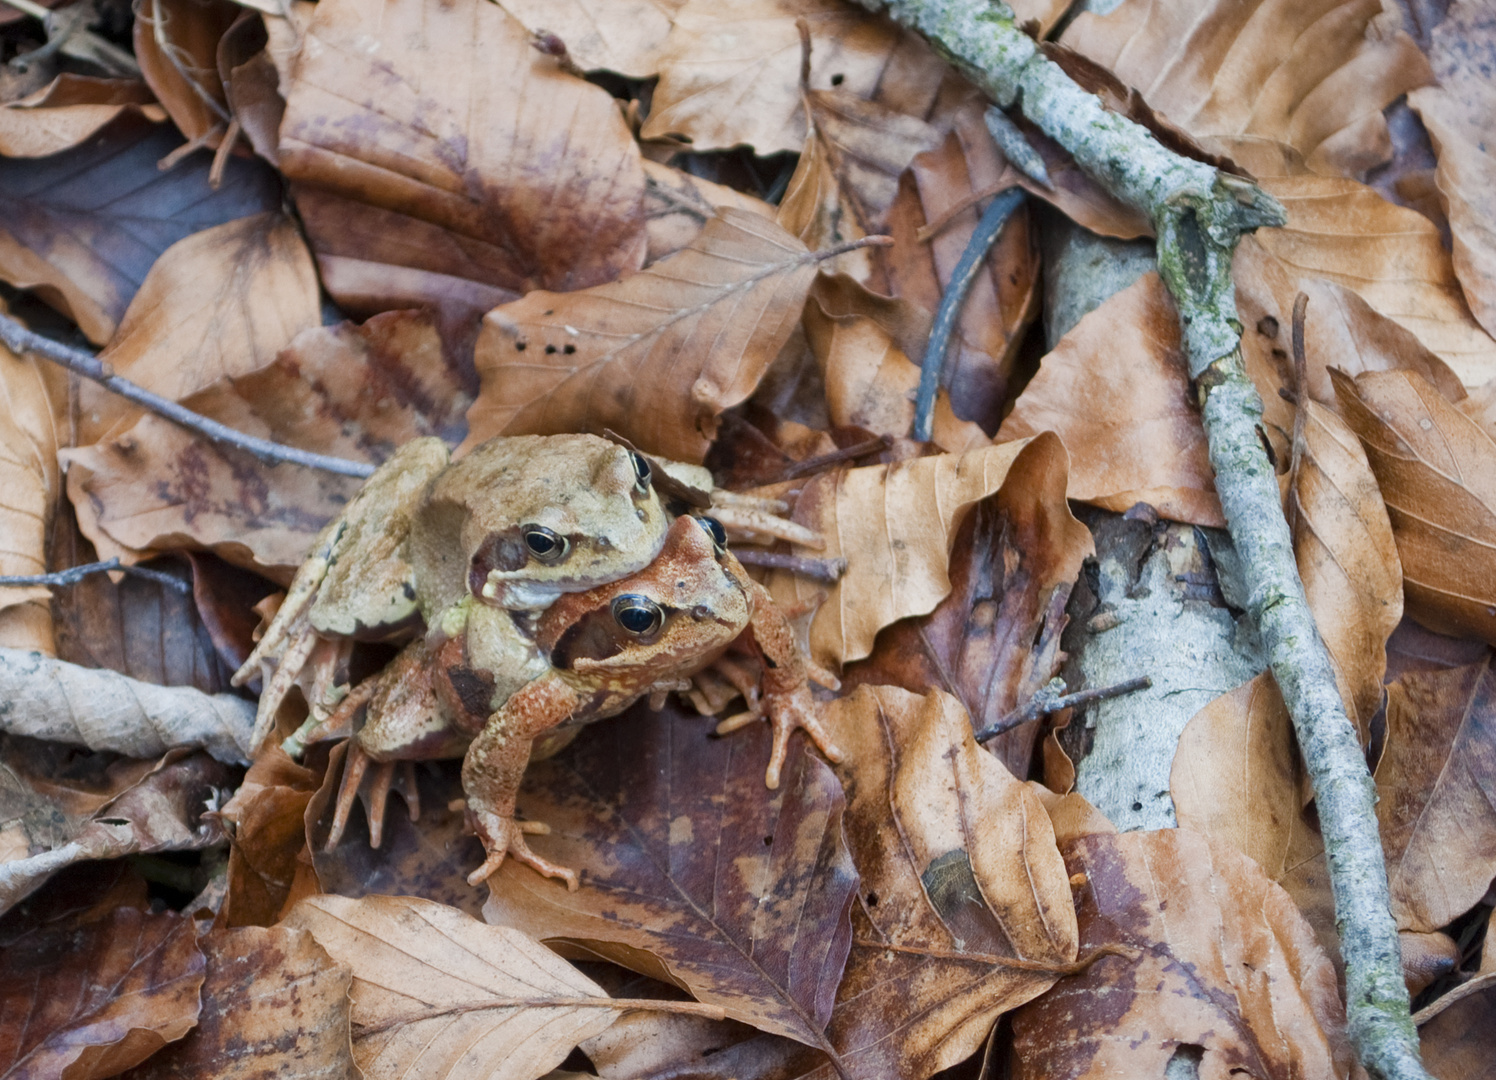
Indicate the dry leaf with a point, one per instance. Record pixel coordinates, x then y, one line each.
730 74
1460 1043
1279 86
176 45
90 1002
219 304
252 84
82 227
104 710
677 205
1116 391
267 815
437 994
1391 256
641 1044
894 524
274 1004
67 111
1437 472
692 870
1458 114
616 36
996 638
437 157
356 392
1436 782
690 336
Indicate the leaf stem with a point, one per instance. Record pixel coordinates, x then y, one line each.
1048 699
21 340
684 1008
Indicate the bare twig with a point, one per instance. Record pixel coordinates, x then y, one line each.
1048 699
1301 410
826 571
933 365
19 339
823 461
74 574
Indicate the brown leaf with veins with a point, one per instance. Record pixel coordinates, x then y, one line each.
730 74
274 1003
656 356
894 524
437 993
692 871
1393 257
176 44
219 304
1437 788
437 157
266 813
1115 390
1437 472
1224 963
90 1002
996 638
677 206
616 35
67 111
1281 87
1460 115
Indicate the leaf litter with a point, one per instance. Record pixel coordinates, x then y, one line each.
527 219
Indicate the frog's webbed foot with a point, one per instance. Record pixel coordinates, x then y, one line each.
786 711
503 836
371 781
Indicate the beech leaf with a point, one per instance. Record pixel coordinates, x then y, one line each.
67 111
621 36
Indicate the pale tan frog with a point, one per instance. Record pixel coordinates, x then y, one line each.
497 697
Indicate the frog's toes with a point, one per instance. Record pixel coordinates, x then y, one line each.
787 712
504 836
370 782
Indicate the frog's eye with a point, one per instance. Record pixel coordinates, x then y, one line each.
637 615
643 471
547 546
715 530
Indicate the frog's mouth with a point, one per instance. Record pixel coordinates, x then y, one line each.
518 590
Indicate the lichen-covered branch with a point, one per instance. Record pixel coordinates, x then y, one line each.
1198 214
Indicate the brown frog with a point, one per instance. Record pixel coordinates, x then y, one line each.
498 698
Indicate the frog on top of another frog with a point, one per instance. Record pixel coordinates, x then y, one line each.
516 523
483 689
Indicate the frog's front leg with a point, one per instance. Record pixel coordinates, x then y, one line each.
495 765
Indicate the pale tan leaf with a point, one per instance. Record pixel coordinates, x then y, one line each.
617 36
1115 390
1460 115
67 111
730 73
1437 472
219 304
656 356
894 524
677 207
1393 257
1278 85
438 994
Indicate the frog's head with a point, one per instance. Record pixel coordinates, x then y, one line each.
667 621
534 517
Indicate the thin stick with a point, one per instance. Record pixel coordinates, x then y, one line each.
18 339
1047 700
686 1008
826 571
1075 967
1301 408
822 461
75 574
933 366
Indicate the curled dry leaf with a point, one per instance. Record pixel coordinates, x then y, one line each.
1460 115
90 1002
1115 390
1393 257
267 815
690 336
624 37
959 872
1437 472
1224 962
176 45
274 1003
436 993
1435 780
692 870
894 524
66 112
104 710
1280 87
730 74
218 304
83 227
436 157
995 640
350 391
33 396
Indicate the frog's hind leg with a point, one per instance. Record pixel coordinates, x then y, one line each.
290 618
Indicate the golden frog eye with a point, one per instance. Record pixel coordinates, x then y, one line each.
639 616
547 546
643 472
715 530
